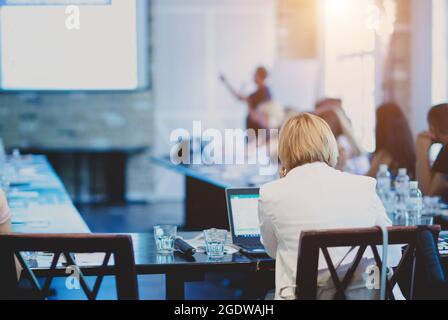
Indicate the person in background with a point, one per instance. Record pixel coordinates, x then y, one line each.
327 104
5 214
352 157
394 141
312 195
271 116
256 99
433 180
5 224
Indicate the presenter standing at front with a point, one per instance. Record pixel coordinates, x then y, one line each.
260 96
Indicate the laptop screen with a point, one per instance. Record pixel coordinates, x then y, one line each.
244 208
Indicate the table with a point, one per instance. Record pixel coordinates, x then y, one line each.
177 268
112 160
40 204
205 185
39 201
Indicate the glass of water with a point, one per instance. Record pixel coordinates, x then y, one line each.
165 235
215 241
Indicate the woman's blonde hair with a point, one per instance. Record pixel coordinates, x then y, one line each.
304 139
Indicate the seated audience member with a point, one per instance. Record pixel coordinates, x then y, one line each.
5 223
271 115
312 195
290 112
394 142
434 180
5 215
328 104
352 158
256 99
5 220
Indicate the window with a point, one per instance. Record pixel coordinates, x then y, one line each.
38 51
350 63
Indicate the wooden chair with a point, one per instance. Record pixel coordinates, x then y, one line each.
118 246
312 242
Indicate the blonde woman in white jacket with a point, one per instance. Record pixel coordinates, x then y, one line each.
312 195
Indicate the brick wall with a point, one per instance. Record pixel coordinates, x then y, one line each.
82 120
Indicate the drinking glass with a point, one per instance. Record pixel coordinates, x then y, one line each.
165 235
215 241
165 258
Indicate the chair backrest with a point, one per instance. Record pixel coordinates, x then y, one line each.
430 281
67 245
312 242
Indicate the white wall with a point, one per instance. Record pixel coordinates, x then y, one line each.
193 41
296 83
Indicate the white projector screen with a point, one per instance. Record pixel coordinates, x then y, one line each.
107 52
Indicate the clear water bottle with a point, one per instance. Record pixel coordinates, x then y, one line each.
2 153
401 197
384 189
384 181
414 204
16 156
402 181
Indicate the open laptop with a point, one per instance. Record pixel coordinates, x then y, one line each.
242 209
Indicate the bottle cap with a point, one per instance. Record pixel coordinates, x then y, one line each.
413 184
403 171
384 167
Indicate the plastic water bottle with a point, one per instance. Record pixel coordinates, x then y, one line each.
402 181
2 153
401 197
414 204
384 189
384 181
16 156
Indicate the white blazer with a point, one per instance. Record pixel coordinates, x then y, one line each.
313 197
